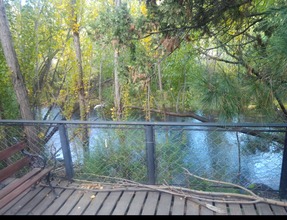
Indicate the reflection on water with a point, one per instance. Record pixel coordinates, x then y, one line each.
216 155
222 160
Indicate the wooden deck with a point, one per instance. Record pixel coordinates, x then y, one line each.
75 199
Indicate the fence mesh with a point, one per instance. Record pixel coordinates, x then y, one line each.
184 155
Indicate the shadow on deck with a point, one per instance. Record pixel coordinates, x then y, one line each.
94 199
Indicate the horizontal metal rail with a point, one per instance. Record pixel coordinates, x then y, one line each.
204 124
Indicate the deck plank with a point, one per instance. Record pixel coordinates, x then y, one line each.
192 208
11 204
235 209
70 202
249 209
82 204
75 201
264 209
58 202
96 203
164 205
137 203
204 210
123 204
279 210
49 199
17 185
6 182
15 200
150 204
178 206
221 206
23 201
109 203
39 197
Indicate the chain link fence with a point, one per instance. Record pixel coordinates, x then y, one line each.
179 154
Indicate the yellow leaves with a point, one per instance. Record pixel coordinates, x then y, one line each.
137 9
93 14
91 186
62 92
62 5
74 19
76 27
41 135
60 36
143 9
113 113
126 99
147 41
133 11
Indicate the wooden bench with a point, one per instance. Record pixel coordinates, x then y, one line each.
17 159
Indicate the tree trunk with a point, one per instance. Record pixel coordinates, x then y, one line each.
80 84
163 94
117 99
17 78
100 81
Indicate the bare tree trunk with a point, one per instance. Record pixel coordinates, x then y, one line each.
100 81
117 99
160 86
17 78
148 112
118 3
159 75
81 86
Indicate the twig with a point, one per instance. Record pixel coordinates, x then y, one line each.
221 182
256 198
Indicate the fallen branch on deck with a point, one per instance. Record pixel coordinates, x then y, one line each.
253 197
200 197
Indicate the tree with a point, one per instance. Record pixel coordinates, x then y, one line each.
80 81
17 78
233 34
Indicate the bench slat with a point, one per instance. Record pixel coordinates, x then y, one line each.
25 185
20 185
9 188
4 154
13 168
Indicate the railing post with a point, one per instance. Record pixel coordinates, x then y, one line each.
283 178
150 152
66 151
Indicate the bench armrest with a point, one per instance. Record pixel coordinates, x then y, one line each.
37 161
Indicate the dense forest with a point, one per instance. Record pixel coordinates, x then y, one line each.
213 60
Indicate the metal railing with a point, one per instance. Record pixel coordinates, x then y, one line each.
250 155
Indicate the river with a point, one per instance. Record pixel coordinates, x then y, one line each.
214 154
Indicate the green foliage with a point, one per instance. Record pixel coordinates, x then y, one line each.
122 153
113 23
118 155
171 151
210 71
8 103
221 93
181 72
